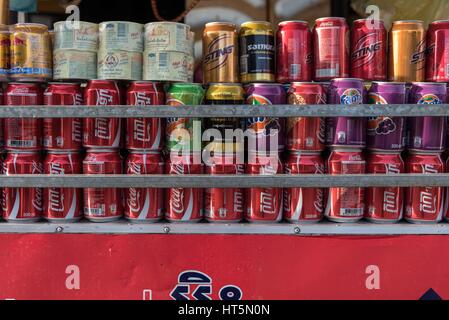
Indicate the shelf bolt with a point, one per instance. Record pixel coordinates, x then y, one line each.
297 230
167 230
59 229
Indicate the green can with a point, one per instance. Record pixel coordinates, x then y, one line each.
183 133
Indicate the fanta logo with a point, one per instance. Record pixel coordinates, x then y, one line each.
266 126
365 50
351 96
174 102
430 99
258 100
216 55
375 98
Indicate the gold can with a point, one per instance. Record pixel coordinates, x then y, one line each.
257 52
4 12
220 52
407 51
31 54
5 44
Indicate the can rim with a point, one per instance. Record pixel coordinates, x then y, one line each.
365 19
105 150
29 24
308 82
166 22
120 21
293 21
34 84
220 23
408 21
226 84
350 79
16 151
64 83
426 152
346 149
81 22
64 152
385 152
439 21
264 84
325 18
181 84
146 152
267 23
306 153
392 82
431 83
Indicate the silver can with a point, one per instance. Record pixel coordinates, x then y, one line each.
168 36
82 36
121 35
168 66
74 65
119 65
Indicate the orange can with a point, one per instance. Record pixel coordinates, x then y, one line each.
4 52
31 52
407 51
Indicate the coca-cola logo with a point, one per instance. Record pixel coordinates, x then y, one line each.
134 168
36 168
141 99
177 200
38 199
102 128
238 201
319 201
56 200
321 134
429 169
77 130
142 130
56 168
104 97
268 202
365 50
390 202
427 201
78 99
133 200
392 168
319 168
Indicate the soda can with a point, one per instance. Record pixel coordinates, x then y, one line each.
331 49
184 204
407 51
5 52
168 36
121 35
22 205
67 133
2 121
427 133
144 205
102 132
306 134
79 35
181 132
63 204
20 133
384 205
346 131
74 65
386 133
31 52
119 65
424 204
224 205
346 205
264 205
145 133
294 54
304 205
265 134
221 53
369 50
169 66
257 52
437 66
102 205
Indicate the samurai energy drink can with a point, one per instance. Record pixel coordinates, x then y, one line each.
257 52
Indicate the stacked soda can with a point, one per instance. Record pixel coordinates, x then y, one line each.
120 51
75 51
168 52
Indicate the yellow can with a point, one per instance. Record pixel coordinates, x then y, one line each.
31 52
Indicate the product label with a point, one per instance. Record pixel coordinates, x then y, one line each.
258 54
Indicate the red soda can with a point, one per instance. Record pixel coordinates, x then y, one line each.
23 134
184 204
103 205
369 50
144 204
264 204
294 52
331 49
306 134
424 204
63 204
145 133
225 205
346 204
2 121
102 132
303 205
22 204
63 134
438 52
385 205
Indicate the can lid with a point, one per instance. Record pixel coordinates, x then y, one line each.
392 83
264 84
430 83
386 152
293 21
101 150
64 83
225 84
440 21
64 152
426 152
367 19
220 23
347 79
346 149
408 21
335 18
306 153
115 22
156 23
149 152
16 151
264 23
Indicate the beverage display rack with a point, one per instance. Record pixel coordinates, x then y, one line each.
205 181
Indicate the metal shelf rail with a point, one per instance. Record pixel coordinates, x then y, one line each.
244 181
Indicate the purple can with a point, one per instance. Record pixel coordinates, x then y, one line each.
346 131
386 133
264 132
427 133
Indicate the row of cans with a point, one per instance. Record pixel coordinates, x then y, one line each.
295 53
268 205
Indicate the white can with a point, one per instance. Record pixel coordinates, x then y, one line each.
121 35
119 65
167 66
168 36
74 65
76 36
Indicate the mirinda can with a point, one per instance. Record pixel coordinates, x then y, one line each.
424 204
437 68
407 51
306 134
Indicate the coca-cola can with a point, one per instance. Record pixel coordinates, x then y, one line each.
67 133
369 50
22 204
224 205
304 205
20 133
346 204
424 204
103 205
2 121
63 204
384 204
306 134
145 133
437 67
144 205
102 133
264 205
184 204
